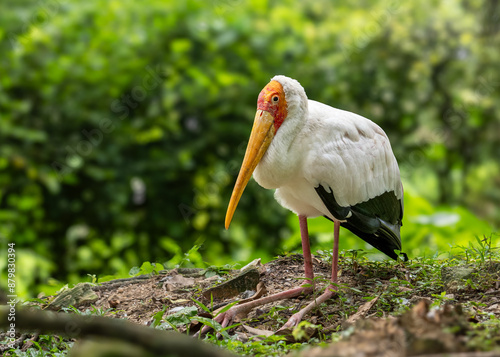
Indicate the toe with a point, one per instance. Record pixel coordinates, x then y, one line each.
292 322
227 321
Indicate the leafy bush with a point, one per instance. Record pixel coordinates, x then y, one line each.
427 230
122 125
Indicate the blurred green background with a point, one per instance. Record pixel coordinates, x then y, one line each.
123 124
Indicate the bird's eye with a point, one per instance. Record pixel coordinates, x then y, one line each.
275 99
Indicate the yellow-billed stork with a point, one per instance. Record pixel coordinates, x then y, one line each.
321 161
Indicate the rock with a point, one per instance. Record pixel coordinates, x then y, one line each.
244 281
80 294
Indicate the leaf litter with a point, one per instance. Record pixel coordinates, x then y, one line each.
402 309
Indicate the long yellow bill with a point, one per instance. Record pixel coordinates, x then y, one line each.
262 134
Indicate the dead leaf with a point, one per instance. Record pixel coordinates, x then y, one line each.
261 290
254 264
180 301
113 301
493 307
363 309
257 332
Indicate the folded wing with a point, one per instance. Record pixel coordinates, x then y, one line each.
356 175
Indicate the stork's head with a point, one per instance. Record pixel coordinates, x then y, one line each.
271 105
272 111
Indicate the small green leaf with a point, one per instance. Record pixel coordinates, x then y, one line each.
182 317
217 327
201 305
134 271
227 307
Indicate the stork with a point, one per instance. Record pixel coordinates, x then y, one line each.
321 161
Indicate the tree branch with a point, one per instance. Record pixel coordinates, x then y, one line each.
154 341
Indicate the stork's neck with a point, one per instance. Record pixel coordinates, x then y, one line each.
284 155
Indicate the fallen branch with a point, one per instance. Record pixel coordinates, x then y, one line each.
154 341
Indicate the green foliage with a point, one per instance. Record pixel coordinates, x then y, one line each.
46 345
427 230
92 311
179 318
300 331
146 268
122 125
191 258
393 285
440 299
216 327
486 335
270 346
483 251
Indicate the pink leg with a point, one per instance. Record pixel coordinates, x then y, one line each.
227 317
306 249
330 290
335 256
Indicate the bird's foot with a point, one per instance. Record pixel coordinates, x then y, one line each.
240 311
226 318
294 320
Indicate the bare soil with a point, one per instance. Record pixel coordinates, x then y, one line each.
388 303
139 300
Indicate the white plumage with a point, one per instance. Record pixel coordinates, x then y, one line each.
321 161
320 145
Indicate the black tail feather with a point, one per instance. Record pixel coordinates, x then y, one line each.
376 221
386 238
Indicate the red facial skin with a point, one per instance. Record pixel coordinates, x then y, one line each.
267 101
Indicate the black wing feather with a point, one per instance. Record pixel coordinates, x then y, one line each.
376 221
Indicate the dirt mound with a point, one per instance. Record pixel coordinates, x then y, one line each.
394 307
